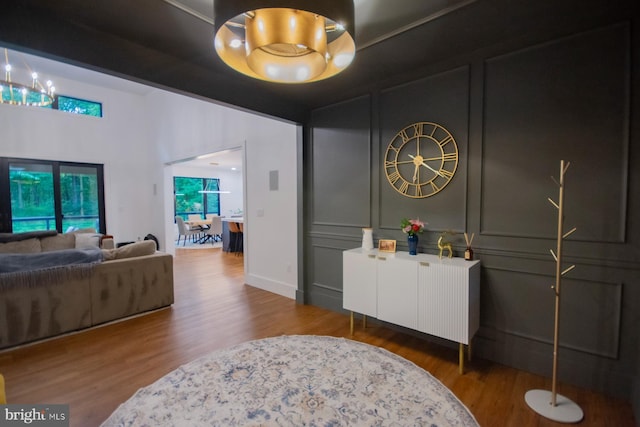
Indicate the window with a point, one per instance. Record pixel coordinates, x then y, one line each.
78 106
196 196
49 195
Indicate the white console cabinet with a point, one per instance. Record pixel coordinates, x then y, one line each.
440 297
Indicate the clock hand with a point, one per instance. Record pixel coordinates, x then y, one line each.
434 171
415 173
428 167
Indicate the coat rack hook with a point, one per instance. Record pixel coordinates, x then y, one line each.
568 233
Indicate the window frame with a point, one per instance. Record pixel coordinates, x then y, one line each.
56 105
6 220
204 182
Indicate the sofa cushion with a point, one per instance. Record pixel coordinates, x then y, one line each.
21 247
11 263
14 237
87 240
58 243
135 249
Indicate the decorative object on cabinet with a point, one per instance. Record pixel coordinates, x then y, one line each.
444 245
385 245
367 239
468 253
412 227
550 404
440 297
421 160
412 242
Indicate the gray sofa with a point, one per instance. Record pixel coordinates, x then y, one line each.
45 302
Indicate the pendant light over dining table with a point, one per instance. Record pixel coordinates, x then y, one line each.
285 41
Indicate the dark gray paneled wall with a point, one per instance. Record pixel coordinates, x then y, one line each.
515 113
442 99
635 400
572 95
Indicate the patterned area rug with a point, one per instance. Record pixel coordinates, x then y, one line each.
295 381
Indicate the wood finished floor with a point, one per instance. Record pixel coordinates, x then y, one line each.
96 370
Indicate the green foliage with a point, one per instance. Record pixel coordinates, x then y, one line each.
79 106
190 199
33 204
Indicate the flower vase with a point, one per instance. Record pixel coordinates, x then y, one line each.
412 240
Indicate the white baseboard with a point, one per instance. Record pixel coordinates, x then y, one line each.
280 288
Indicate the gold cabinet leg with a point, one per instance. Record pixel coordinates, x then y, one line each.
351 323
461 357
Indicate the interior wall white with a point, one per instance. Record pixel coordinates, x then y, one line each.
140 133
273 243
270 218
119 140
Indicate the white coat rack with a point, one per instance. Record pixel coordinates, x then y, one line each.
550 404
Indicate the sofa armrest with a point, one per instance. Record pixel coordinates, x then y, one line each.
128 286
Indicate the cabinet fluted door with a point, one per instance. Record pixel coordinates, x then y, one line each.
440 297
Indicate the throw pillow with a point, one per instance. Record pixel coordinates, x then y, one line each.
85 230
135 249
87 240
57 243
3 396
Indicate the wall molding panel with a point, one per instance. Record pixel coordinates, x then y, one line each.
442 98
527 131
590 305
515 109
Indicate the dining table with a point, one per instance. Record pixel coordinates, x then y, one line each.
202 224
198 223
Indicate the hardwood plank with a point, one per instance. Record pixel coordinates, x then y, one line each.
94 371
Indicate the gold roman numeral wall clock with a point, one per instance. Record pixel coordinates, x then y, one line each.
421 160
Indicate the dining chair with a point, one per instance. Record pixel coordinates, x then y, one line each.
214 232
185 231
200 229
235 245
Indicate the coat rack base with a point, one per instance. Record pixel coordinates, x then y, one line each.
565 410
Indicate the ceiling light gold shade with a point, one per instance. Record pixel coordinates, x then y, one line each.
283 41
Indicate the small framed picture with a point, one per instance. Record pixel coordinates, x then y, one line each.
386 245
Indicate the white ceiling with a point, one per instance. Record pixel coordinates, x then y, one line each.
220 161
23 64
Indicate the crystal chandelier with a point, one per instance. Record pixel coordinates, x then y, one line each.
34 94
285 41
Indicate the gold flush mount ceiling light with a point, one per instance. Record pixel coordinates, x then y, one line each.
292 41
